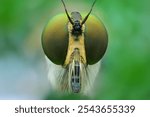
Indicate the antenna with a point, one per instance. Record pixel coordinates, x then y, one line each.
88 13
67 13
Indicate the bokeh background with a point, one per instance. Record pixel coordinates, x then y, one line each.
125 72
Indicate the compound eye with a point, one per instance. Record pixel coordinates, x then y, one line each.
96 39
55 39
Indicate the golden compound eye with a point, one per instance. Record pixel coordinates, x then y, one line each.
55 39
96 39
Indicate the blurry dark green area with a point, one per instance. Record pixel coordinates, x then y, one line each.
125 72
17 20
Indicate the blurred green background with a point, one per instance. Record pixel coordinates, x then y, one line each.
125 72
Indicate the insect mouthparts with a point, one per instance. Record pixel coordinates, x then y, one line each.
75 78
